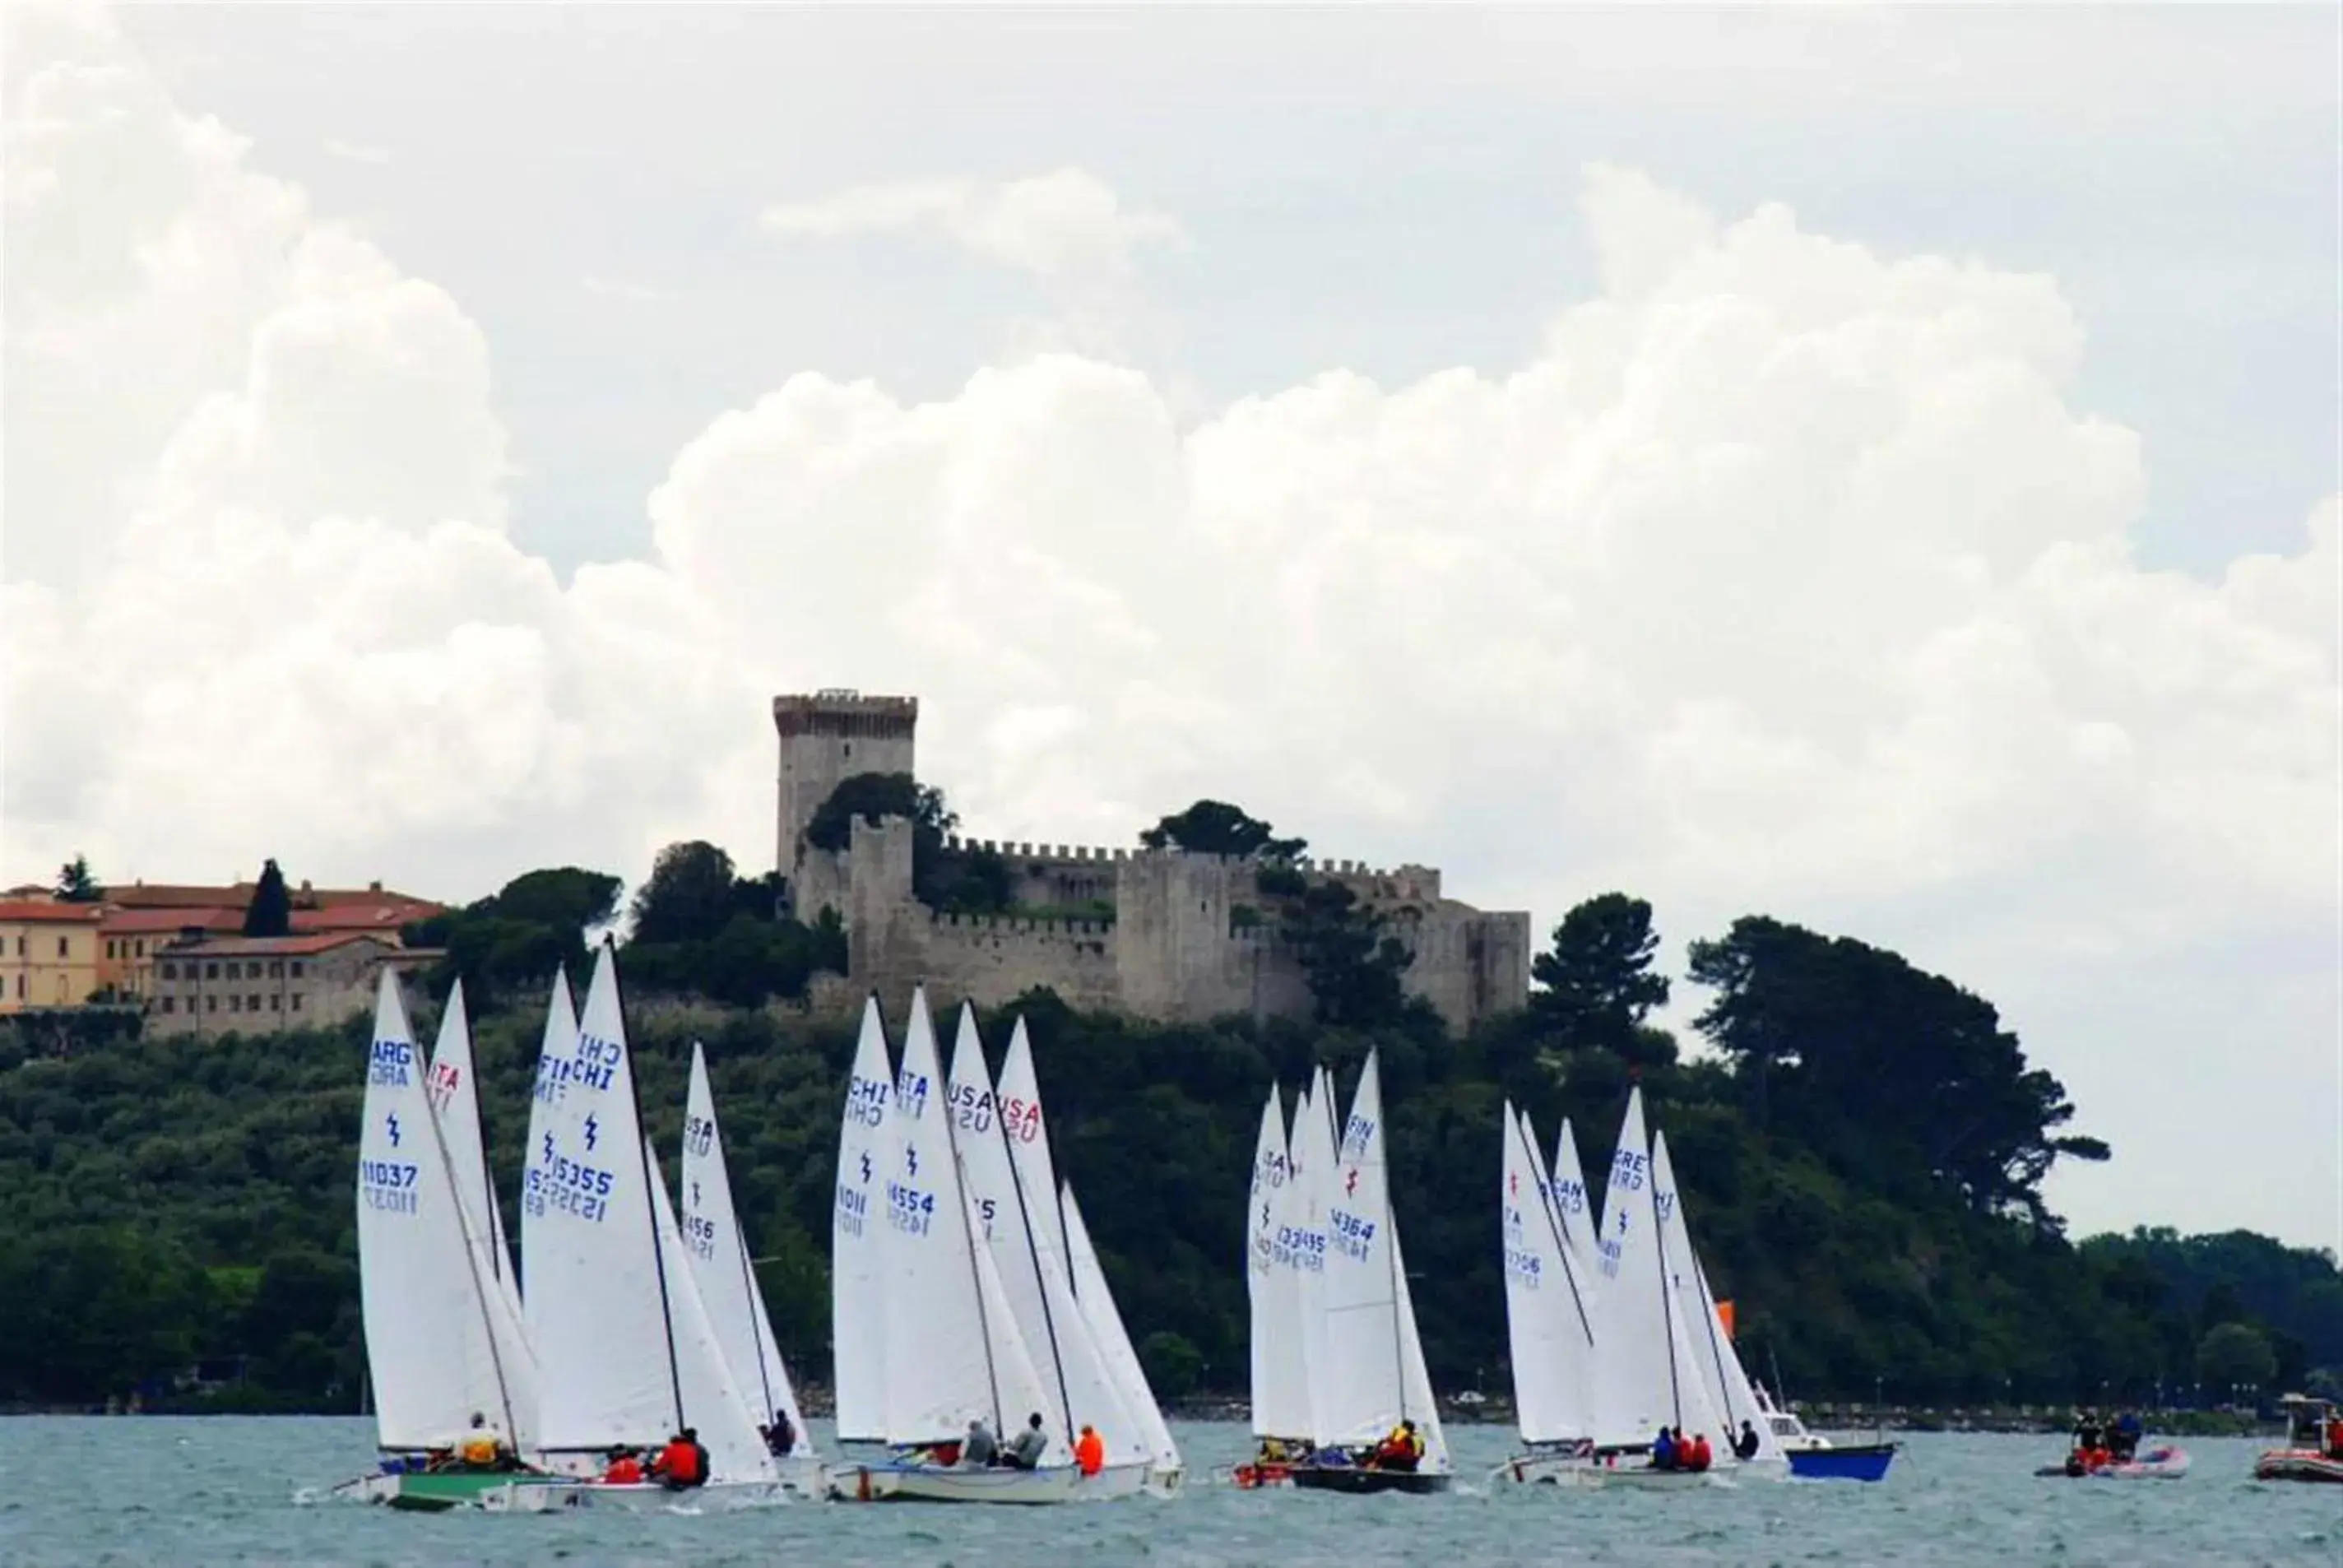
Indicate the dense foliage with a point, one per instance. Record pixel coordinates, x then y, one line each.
270 912
179 1204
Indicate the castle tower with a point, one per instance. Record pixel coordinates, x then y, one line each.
828 736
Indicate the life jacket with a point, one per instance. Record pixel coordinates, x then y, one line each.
1089 1454
1415 1444
624 1471
1701 1455
680 1463
478 1448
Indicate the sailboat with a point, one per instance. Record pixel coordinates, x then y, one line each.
444 1346
1165 1469
954 1352
1647 1376
1566 1190
1548 1320
1372 1377
626 1353
1282 1420
716 1251
1724 1382
858 1228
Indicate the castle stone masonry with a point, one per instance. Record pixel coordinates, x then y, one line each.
1192 937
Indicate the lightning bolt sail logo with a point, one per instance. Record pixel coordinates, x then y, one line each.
911 1160
549 1149
391 1122
694 1194
593 1132
866 1170
1351 1182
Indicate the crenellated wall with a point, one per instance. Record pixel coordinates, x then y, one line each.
1174 948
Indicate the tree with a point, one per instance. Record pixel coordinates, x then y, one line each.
2234 1353
1217 828
1173 1365
75 884
875 797
1354 969
1598 980
688 896
564 896
1883 1064
270 914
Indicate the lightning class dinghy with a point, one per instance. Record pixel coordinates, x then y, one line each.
953 1351
444 1349
1371 1384
1281 1421
1550 1332
1097 1370
1725 1384
627 1355
717 1250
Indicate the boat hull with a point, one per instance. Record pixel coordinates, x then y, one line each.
1360 1482
2156 1464
2298 1465
958 1483
438 1491
1855 1462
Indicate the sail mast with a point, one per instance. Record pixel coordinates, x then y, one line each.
479 1289
1667 1308
1033 1249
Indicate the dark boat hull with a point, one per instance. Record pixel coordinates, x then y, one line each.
1859 1462
1359 1481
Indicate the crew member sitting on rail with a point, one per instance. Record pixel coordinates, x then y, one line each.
1696 1455
981 1447
1089 1450
1664 1449
1745 1446
1025 1450
1401 1448
780 1437
682 1462
483 1447
625 1469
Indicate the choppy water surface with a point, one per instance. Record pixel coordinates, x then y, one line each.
223 1491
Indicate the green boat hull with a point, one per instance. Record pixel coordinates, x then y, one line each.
436 1491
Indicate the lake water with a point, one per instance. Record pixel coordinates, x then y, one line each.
188 1494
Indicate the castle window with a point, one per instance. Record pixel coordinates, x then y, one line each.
170 1004
171 971
63 951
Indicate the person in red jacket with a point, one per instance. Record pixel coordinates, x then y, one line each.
1700 1455
625 1470
682 1462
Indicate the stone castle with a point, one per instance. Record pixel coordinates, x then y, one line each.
1191 937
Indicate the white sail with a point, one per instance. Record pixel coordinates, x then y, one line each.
558 1042
717 1250
1311 1156
1646 1377
867 1157
713 1404
1417 1402
954 1352
1106 1325
436 1347
1567 1189
1727 1398
1549 1334
1280 1379
1095 1392
1359 1395
1005 1228
456 1100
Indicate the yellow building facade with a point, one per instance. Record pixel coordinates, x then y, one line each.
49 954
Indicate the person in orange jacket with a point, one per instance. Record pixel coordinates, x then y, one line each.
1699 1455
625 1468
1089 1450
682 1462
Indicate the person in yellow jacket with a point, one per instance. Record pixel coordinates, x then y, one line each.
483 1447
1401 1448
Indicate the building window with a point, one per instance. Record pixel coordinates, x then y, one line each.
211 972
20 947
297 1001
63 951
211 1003
272 1001
20 985
170 1004
236 1004
142 947
252 1003
171 971
297 969
110 952
276 968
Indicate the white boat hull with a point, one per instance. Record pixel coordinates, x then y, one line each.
960 1483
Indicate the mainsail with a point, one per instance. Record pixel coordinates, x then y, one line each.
858 1230
1550 1334
441 1344
718 1250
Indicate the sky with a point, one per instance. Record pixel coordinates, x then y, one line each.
1873 466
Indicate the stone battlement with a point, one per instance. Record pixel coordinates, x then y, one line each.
1186 940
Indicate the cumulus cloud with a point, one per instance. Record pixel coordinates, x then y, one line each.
1065 224
1782 575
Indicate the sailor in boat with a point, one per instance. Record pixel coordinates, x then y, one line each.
1089 1450
483 1447
2123 1438
1745 1446
682 1463
1025 1450
1664 1449
1401 1449
625 1468
1695 1456
780 1437
980 1449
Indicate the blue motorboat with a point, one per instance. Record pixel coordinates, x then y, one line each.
1855 1462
